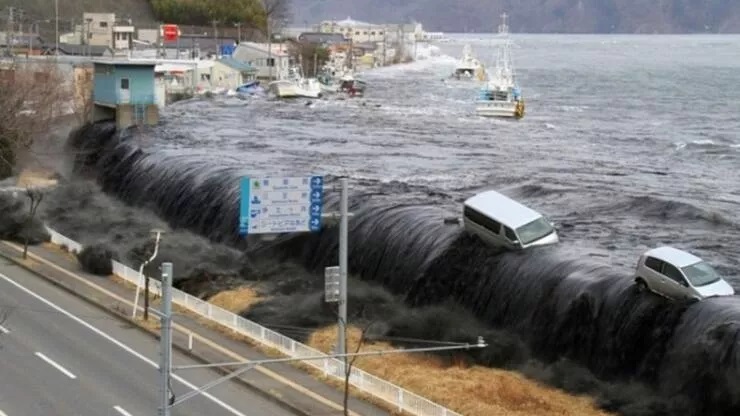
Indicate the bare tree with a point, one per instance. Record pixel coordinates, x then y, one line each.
277 15
349 364
31 98
83 94
35 196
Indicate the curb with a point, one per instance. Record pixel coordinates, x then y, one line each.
124 318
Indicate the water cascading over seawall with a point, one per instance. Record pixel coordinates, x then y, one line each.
563 306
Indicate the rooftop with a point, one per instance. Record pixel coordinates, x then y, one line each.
278 49
502 208
349 22
238 65
124 62
676 257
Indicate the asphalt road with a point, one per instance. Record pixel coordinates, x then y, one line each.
61 356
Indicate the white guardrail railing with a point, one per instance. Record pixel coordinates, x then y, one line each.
403 400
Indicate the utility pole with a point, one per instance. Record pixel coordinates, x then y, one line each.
270 63
215 36
56 28
165 339
9 29
239 30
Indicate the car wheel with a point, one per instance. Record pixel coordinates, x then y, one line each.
641 285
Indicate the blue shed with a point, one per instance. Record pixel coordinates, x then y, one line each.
124 90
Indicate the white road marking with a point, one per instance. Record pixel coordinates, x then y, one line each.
4 330
2 413
56 365
120 410
118 343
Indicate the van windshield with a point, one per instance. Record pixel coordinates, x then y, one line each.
700 274
534 231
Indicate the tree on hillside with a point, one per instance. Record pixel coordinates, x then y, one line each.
31 98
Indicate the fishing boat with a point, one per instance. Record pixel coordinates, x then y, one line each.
468 64
295 85
501 95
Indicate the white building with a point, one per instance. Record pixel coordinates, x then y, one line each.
358 32
97 28
123 38
258 56
363 32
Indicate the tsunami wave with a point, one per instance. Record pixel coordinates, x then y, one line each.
563 306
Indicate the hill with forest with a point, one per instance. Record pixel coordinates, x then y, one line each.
536 16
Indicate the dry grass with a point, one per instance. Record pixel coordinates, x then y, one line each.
472 391
57 249
36 178
236 300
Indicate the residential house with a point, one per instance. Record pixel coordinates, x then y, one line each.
229 73
263 59
98 28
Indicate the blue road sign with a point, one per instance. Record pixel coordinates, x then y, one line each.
281 205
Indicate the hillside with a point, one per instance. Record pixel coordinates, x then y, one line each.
138 10
537 16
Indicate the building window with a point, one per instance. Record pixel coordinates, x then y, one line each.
270 61
124 83
357 33
380 33
103 24
89 35
372 33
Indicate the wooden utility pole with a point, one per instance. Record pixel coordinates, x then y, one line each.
315 62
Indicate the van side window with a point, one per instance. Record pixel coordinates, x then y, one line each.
480 219
654 264
510 234
673 273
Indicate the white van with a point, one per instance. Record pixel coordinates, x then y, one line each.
502 222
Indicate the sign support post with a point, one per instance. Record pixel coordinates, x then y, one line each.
343 236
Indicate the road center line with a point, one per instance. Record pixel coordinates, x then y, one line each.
120 344
120 410
3 330
57 366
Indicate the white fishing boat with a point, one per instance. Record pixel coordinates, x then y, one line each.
468 64
501 95
295 85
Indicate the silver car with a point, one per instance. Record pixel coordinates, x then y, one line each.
677 274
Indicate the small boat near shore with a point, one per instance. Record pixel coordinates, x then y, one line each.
295 85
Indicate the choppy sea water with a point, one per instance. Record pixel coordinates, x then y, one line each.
629 142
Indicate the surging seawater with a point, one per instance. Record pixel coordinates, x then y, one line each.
616 183
564 307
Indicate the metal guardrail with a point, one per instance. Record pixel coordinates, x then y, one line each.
401 399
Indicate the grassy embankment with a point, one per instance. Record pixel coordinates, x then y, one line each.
470 390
